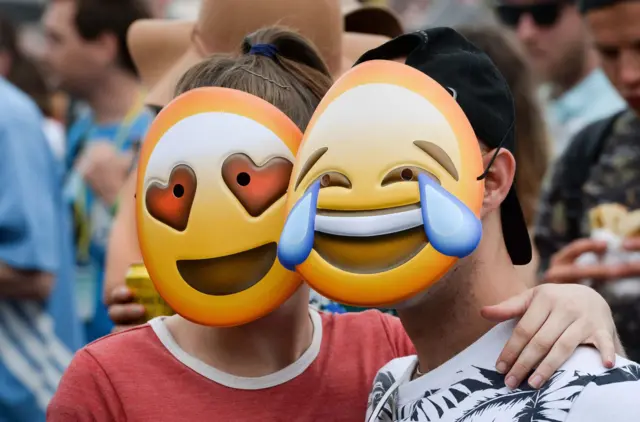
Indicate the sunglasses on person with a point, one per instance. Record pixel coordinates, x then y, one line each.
544 15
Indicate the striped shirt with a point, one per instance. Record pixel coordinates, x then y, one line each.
37 340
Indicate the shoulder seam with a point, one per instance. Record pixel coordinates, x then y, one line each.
108 380
385 326
108 336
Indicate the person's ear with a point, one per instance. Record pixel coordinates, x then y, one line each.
499 179
106 48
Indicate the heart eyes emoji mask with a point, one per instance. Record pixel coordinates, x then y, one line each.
212 178
384 196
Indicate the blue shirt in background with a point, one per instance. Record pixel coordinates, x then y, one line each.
93 218
37 341
592 99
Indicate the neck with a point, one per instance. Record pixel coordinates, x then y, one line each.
447 319
113 97
569 79
257 349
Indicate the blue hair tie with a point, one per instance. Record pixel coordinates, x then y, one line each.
267 50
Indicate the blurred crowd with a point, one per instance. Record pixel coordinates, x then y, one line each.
80 87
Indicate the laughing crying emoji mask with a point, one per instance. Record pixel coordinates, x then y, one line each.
384 196
212 178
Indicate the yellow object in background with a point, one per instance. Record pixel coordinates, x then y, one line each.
139 282
381 3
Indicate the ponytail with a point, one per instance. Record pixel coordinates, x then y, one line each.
277 65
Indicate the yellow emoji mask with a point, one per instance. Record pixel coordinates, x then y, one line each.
384 196
212 178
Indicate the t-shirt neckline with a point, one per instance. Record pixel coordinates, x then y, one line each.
242 383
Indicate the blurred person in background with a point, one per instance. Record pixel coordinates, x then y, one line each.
602 165
158 8
163 50
457 12
87 56
533 149
22 72
39 327
576 91
412 12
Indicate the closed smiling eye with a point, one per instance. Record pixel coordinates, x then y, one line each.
333 178
406 174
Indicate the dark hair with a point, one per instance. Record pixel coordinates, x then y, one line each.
294 80
97 17
532 150
23 72
587 6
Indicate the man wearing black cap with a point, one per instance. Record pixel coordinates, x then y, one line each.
452 378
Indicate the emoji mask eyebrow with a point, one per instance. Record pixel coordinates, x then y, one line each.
438 154
311 161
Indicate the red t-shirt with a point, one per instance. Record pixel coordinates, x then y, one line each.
143 375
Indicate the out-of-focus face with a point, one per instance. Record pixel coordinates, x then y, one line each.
73 63
552 33
616 33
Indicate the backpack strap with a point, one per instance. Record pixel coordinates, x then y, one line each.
583 151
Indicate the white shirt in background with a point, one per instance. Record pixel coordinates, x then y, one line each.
55 134
467 388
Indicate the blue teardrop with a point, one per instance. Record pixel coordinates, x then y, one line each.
296 240
452 228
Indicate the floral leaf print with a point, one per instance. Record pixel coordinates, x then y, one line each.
415 415
536 409
497 403
383 381
623 374
480 395
491 380
544 405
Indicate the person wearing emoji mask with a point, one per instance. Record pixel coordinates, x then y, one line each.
164 49
426 220
201 218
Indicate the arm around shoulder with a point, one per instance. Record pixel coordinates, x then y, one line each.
85 394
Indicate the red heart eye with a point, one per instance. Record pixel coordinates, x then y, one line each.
256 187
171 203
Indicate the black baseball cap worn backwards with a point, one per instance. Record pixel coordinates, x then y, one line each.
483 95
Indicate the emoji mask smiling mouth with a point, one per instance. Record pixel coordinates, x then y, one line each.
368 242
229 274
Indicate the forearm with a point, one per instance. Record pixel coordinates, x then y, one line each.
123 242
22 284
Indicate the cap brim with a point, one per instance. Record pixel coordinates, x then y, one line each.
372 20
515 230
